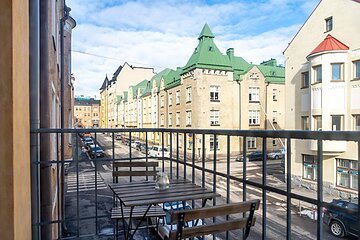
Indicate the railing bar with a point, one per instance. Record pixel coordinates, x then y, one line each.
130 153
288 188
203 161
77 187
57 182
185 165
244 178
69 220
214 176
96 185
171 155
162 152
358 188
177 155
146 153
38 184
264 183
228 179
320 190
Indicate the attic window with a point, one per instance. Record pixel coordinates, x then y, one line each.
196 50
328 24
211 49
273 73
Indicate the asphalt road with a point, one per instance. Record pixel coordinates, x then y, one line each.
302 226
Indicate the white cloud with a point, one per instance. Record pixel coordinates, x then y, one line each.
162 34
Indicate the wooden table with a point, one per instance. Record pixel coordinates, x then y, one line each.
144 194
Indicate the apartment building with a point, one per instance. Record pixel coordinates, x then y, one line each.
104 103
87 112
125 76
217 91
323 93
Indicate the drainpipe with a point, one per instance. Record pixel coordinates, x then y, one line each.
62 124
45 109
34 70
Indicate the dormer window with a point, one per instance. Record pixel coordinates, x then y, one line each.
328 24
211 49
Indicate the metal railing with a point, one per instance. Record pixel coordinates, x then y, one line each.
53 169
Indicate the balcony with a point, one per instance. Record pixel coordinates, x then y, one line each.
72 199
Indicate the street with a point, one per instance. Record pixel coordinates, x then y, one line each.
302 226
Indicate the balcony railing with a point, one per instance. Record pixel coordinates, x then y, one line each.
71 200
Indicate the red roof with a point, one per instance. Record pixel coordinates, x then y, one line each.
329 44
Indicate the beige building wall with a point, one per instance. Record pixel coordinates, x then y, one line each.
300 101
15 205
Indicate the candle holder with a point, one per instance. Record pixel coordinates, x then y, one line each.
162 181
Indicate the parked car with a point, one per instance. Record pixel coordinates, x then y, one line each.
88 142
342 217
118 136
168 207
156 151
279 154
252 156
96 151
142 147
134 144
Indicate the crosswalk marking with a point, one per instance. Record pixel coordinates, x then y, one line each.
86 182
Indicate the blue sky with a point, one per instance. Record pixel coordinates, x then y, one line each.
164 33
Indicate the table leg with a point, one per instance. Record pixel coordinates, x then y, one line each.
123 219
141 220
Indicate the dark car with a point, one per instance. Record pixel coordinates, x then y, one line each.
143 147
96 151
252 156
342 217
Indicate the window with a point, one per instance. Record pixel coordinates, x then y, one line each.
149 117
328 24
254 117
356 122
254 94
305 79
317 123
214 117
177 97
305 123
274 142
337 69
274 96
347 173
357 69
162 101
214 142
188 94
337 122
251 142
162 120
214 93
318 74
188 118
178 119
310 165
274 118
170 99
170 119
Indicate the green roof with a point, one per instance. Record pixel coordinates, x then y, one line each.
207 55
120 98
140 86
158 77
206 32
147 90
172 79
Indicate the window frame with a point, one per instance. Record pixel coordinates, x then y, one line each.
170 119
162 101
177 119
188 118
312 162
356 65
188 94
329 27
356 120
254 119
305 79
307 123
214 142
170 99
341 74
177 97
251 142
350 169
254 94
316 74
214 117
214 93
274 96
341 122
274 117
316 122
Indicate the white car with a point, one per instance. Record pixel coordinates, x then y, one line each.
156 151
135 143
277 154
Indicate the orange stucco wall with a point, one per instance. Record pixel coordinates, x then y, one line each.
15 198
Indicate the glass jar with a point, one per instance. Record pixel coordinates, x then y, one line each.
162 181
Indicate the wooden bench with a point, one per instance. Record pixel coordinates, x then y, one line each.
181 217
